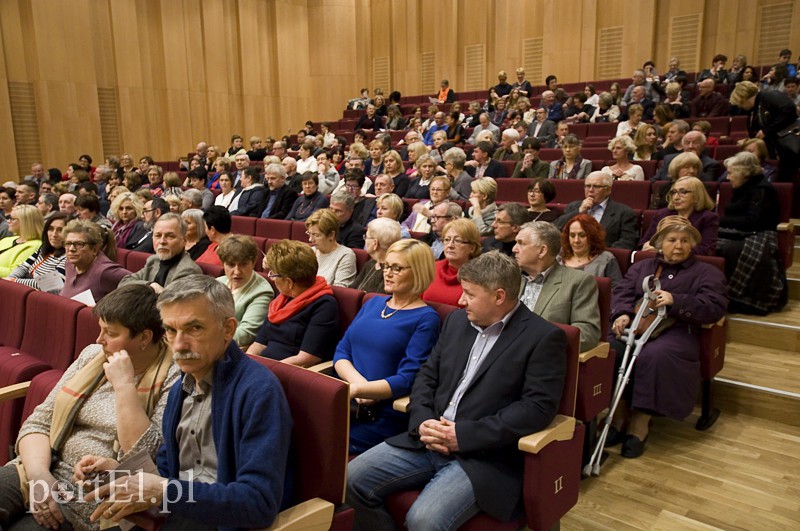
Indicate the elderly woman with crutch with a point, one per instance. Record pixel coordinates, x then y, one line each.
666 373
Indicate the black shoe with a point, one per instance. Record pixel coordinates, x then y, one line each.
614 437
633 447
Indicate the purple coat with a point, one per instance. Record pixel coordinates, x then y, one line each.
102 278
705 221
666 375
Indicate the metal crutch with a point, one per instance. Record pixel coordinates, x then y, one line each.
626 367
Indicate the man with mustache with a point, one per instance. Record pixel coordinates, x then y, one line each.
227 425
170 262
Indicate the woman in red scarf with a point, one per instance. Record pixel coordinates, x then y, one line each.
462 242
302 324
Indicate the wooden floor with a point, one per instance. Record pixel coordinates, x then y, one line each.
744 473
766 367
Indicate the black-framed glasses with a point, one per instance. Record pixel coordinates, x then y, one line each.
455 241
394 268
79 245
595 186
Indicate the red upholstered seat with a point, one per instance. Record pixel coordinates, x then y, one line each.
513 189
87 330
568 190
14 297
350 301
623 257
136 260
243 225
552 476
278 229
212 270
122 257
298 231
596 372
635 194
362 257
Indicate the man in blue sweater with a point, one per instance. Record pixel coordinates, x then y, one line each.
227 425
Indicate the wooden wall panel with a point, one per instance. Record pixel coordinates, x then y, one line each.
191 70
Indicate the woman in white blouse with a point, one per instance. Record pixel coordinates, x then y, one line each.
621 148
228 194
337 263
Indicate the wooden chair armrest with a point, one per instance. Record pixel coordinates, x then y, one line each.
11 392
320 367
718 323
600 351
401 404
786 226
561 429
315 514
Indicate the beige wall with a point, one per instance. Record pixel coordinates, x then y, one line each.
180 71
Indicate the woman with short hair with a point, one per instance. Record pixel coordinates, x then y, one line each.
406 330
621 148
606 110
155 180
748 240
304 317
390 206
252 293
483 209
462 242
541 192
381 234
106 407
684 165
88 265
337 263
438 191
309 201
571 165
49 259
196 240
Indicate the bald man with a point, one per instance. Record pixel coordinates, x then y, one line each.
708 102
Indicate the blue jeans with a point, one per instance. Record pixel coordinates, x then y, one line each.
446 502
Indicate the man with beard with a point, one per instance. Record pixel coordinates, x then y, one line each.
170 262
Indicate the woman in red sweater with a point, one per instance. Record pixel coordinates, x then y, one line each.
462 242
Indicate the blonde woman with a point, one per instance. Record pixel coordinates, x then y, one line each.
483 209
621 148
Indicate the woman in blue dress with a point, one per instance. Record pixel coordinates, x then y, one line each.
387 343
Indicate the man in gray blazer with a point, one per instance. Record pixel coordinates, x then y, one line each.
542 128
552 291
170 262
619 221
485 124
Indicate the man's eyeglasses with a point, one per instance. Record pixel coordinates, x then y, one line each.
79 245
437 189
595 186
434 219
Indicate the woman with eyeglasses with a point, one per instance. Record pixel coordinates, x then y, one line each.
50 257
304 318
381 234
571 165
385 345
25 224
337 263
689 199
462 242
439 191
540 192
88 265
684 165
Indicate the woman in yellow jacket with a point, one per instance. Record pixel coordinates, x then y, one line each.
26 224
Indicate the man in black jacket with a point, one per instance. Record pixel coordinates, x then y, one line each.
279 199
351 234
252 194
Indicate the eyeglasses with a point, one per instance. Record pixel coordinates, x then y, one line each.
679 192
78 245
437 189
501 222
595 186
455 241
535 191
394 268
437 218
313 236
368 238
273 276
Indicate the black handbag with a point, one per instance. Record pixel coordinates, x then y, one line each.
789 138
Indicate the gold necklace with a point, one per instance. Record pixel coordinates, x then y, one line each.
384 315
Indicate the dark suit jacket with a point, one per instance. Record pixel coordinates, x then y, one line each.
249 202
710 168
619 221
351 234
363 210
546 133
522 377
283 202
495 170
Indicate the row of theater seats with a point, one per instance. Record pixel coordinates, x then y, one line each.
26 354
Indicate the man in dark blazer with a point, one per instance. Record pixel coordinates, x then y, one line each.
496 374
542 128
252 195
619 220
351 234
482 164
278 201
694 142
